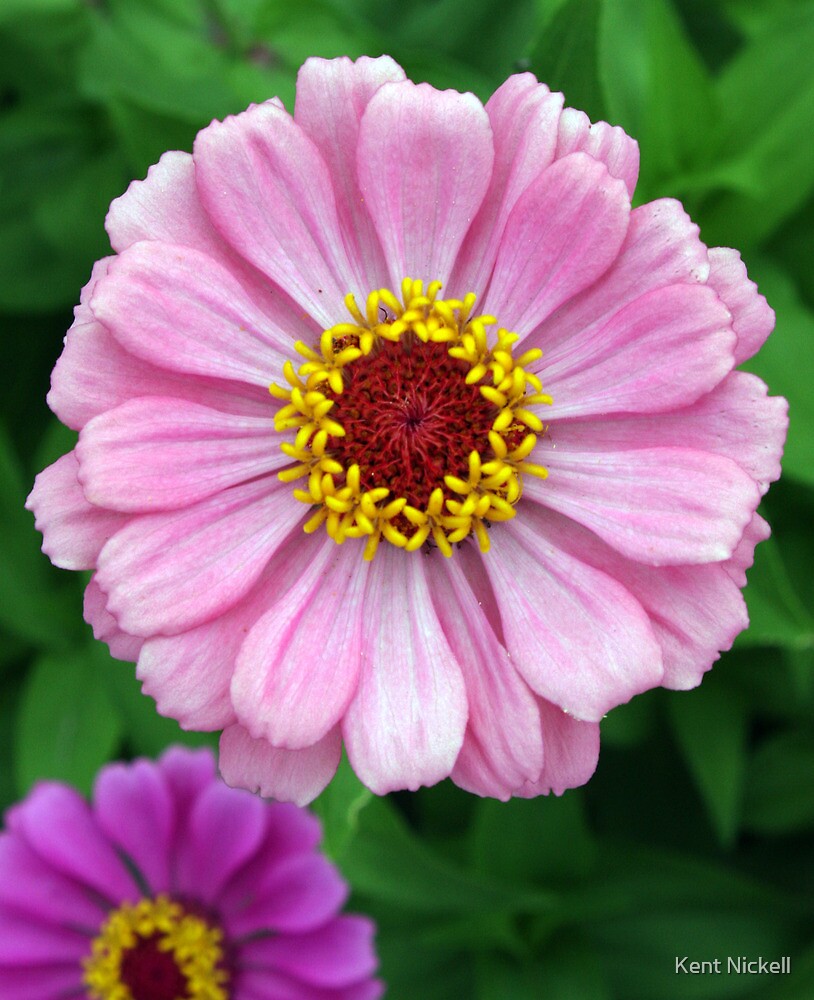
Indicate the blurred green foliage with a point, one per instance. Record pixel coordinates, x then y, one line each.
695 835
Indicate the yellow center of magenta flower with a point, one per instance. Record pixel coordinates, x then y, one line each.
410 426
156 950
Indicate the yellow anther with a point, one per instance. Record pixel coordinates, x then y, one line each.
466 500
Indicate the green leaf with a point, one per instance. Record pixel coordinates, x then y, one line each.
780 792
766 95
31 606
786 361
384 848
657 88
67 726
710 724
338 807
565 56
544 840
142 728
566 970
777 615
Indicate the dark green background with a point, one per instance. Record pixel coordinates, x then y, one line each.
695 836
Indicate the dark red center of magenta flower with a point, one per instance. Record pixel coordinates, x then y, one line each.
151 974
410 418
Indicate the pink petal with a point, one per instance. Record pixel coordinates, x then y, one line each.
661 506
523 114
57 824
134 809
188 774
73 530
168 572
562 234
157 453
317 622
31 886
288 775
105 627
337 954
405 725
661 248
752 317
632 363
736 419
179 309
265 983
226 827
757 531
578 637
570 751
189 674
502 745
332 95
300 893
608 143
61 981
26 942
269 193
424 161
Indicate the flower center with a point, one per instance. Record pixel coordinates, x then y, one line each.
409 425
156 950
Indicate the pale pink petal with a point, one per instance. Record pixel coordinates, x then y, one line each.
562 234
73 530
95 373
502 745
523 114
181 310
570 753
405 725
332 95
424 161
608 143
578 637
660 506
288 775
737 419
318 622
156 453
166 573
269 193
338 954
630 364
189 674
225 829
752 316
695 611
134 809
757 531
105 627
661 248
166 207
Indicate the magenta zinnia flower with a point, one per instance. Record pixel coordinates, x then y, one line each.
170 885
506 476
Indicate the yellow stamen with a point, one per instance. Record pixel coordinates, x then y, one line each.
457 507
193 945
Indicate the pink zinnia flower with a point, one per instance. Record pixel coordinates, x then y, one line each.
500 544
170 884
